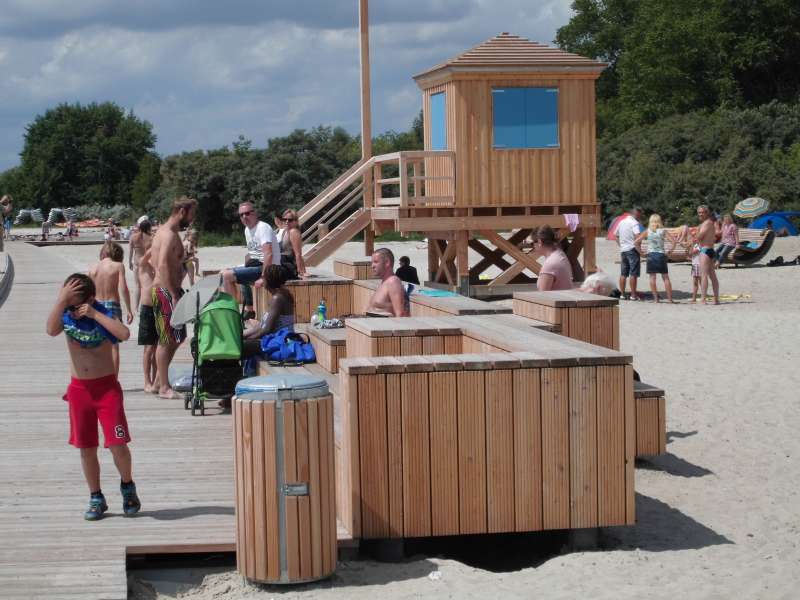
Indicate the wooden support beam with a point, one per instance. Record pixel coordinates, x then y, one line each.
462 261
446 264
513 251
494 256
573 252
589 255
514 270
497 223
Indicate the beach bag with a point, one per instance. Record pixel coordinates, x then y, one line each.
287 347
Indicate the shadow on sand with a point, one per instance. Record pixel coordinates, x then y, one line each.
175 514
660 528
673 465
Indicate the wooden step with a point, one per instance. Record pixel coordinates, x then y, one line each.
344 232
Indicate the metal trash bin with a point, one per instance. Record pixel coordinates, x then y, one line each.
285 498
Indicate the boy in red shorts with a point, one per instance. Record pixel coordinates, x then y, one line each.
94 394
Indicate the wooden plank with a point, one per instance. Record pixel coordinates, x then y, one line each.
471 452
499 451
303 475
444 453
373 456
238 434
630 447
580 323
315 435
259 491
394 444
416 455
610 446
290 475
583 447
410 345
527 450
249 500
555 449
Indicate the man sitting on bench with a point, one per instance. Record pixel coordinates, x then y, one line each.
390 299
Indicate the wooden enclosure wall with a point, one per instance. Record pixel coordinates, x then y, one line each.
307 296
486 451
518 177
362 345
598 325
439 166
651 425
353 269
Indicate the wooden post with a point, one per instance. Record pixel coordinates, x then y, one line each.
589 256
462 262
366 118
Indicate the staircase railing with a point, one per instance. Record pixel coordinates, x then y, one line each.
425 178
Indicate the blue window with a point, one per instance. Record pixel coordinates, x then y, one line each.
438 121
525 117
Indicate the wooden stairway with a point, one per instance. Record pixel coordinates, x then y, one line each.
342 233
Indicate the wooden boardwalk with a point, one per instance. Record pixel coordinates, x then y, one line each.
183 465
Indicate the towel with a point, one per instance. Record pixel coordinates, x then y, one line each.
572 220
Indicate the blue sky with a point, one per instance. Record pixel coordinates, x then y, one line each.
205 72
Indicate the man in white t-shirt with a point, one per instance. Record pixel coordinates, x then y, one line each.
263 249
630 259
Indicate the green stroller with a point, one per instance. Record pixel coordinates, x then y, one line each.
216 351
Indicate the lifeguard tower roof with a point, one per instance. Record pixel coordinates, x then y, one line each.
512 53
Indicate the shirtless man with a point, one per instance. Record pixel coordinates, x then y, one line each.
148 336
139 244
109 281
390 297
705 238
167 258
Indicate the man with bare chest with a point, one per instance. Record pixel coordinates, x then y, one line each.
705 238
167 261
139 244
390 297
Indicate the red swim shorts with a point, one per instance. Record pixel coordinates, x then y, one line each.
93 400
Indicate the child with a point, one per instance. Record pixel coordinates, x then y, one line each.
190 261
148 336
94 394
655 234
730 239
695 253
109 279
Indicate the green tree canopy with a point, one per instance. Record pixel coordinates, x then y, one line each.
76 154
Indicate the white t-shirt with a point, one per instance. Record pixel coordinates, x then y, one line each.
259 235
627 231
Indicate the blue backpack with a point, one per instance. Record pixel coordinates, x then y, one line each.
287 347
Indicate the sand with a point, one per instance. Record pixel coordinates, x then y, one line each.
717 516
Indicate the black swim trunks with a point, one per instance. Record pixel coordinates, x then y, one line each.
148 336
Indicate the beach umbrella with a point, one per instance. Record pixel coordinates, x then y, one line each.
199 295
612 229
750 208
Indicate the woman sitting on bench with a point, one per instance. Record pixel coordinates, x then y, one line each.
280 312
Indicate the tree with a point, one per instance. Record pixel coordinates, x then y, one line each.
146 182
76 154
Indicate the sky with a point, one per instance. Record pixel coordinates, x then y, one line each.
204 72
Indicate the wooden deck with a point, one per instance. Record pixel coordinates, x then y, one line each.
183 465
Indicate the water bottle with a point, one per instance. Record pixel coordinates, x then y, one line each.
322 310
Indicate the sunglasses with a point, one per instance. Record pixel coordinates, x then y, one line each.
244 214
288 220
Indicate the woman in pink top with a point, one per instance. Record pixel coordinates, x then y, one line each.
730 239
556 272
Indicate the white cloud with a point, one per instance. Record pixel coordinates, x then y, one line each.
202 84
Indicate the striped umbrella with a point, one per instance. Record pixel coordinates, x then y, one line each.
750 208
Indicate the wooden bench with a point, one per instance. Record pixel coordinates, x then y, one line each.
353 269
406 336
329 345
651 417
575 314
427 306
465 444
335 290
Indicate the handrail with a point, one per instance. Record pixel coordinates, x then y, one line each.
334 189
438 195
334 212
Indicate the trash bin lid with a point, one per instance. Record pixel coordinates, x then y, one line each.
284 387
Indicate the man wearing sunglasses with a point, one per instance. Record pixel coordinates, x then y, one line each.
263 249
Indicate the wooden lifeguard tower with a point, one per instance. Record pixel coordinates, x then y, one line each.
509 146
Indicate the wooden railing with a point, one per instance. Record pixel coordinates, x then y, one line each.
416 188
412 186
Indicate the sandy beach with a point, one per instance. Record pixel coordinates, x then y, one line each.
717 516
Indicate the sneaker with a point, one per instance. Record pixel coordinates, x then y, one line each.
130 501
97 506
